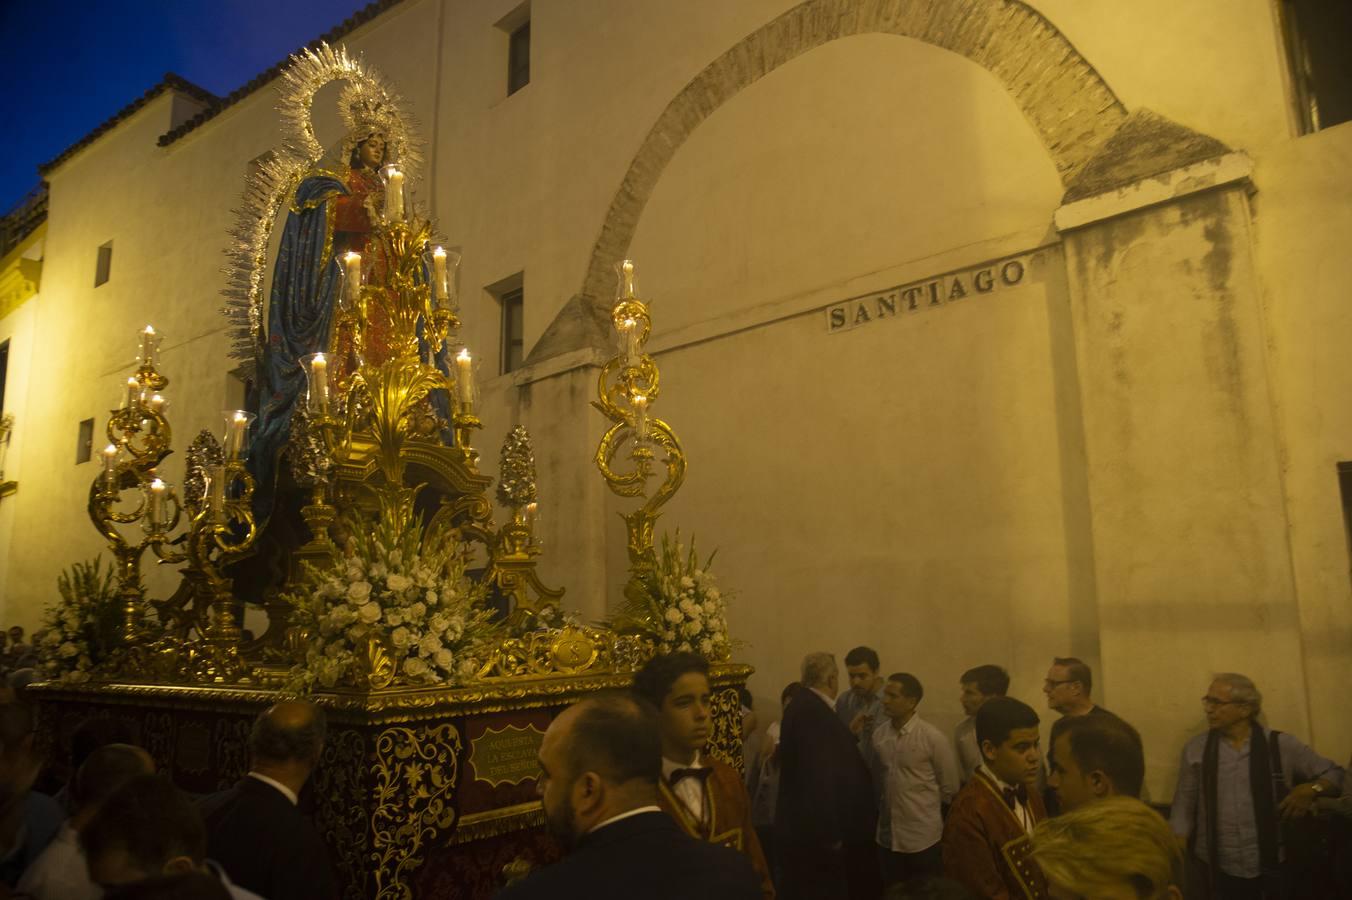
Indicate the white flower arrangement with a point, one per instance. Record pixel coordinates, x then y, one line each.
402 587
80 629
682 608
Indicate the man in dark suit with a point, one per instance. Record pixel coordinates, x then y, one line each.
599 765
255 830
826 814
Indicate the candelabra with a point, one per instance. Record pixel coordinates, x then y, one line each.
627 389
139 438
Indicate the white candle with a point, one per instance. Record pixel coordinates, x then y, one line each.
110 466
133 393
352 276
629 335
394 196
626 286
440 288
149 343
319 383
640 404
155 504
156 403
532 508
464 379
234 435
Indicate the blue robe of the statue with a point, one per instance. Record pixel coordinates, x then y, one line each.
305 285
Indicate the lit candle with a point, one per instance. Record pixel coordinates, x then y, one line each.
155 504
352 276
133 393
629 335
626 287
156 403
319 383
149 343
464 379
532 508
234 435
110 466
640 404
440 289
394 196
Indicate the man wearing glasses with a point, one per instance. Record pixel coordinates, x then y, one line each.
1068 687
1236 783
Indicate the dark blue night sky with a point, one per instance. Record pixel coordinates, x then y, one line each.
73 65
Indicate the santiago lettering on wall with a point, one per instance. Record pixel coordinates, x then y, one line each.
926 294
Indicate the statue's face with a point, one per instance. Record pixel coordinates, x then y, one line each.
371 151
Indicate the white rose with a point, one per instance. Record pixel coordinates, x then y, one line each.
429 644
369 613
401 638
687 582
399 583
713 594
706 647
673 615
432 598
455 628
379 570
414 667
710 607
394 618
358 591
689 608
68 649
685 647
668 635
444 658
437 624
416 612
692 628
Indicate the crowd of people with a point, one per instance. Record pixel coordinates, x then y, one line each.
116 828
851 794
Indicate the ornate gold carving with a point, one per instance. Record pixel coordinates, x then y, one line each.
415 772
726 740
476 826
342 820
571 650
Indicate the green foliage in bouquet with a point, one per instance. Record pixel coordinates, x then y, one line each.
680 605
82 628
401 586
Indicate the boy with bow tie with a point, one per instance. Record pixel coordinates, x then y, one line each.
704 795
985 843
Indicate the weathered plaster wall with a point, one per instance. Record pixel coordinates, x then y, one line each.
1189 525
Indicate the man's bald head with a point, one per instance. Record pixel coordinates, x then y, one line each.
106 770
614 734
291 731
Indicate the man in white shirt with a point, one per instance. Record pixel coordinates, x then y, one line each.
920 779
979 684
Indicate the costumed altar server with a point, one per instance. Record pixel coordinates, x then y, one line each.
985 843
704 795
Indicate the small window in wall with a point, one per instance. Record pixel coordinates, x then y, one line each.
1317 34
104 266
84 447
511 296
516 25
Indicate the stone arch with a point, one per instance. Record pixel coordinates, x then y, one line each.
1069 105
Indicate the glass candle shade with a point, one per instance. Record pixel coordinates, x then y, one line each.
110 455
395 195
464 380
351 278
442 266
235 441
639 403
630 334
626 283
132 399
157 494
150 346
317 383
215 494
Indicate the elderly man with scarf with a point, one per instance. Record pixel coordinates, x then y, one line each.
1236 784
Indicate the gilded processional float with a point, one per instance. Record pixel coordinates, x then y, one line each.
347 504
